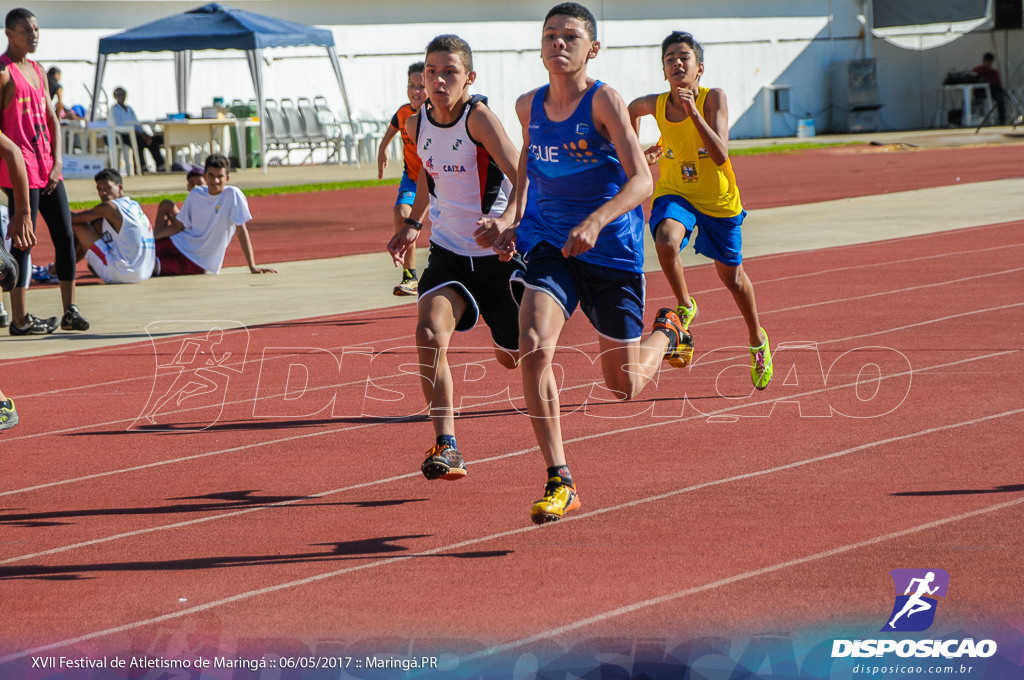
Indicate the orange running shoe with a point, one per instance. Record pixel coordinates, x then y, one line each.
680 340
443 461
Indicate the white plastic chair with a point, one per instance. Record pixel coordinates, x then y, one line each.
276 126
339 133
368 136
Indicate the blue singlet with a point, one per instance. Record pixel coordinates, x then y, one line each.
573 170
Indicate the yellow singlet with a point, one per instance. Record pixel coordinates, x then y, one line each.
687 170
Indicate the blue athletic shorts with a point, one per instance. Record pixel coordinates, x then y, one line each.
612 299
406 191
719 238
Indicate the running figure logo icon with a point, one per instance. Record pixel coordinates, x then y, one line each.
915 605
193 373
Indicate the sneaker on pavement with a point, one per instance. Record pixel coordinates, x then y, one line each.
35 326
73 320
761 369
5 318
558 499
8 414
41 274
408 286
443 461
687 315
680 340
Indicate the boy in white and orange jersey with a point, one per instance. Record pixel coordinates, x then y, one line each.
417 93
697 188
468 178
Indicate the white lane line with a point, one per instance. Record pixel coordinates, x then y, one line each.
854 267
708 323
729 580
308 435
92 386
521 530
513 454
348 428
858 298
716 289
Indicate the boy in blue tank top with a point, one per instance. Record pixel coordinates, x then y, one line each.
581 230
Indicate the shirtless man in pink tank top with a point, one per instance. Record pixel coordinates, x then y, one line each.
27 118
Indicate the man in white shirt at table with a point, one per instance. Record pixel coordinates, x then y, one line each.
122 115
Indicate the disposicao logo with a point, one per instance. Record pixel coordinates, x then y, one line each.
917 593
915 605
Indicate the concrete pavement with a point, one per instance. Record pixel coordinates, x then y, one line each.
121 314
314 288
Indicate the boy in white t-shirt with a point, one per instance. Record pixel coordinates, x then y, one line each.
114 237
196 240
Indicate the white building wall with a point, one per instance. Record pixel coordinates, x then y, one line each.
750 45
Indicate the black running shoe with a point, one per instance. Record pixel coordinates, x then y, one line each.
443 462
73 320
35 326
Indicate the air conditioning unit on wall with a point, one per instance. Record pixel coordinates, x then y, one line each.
776 100
780 98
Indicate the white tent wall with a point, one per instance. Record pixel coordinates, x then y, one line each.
750 46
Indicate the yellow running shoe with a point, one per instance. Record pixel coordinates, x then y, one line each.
8 414
408 285
558 500
687 314
761 364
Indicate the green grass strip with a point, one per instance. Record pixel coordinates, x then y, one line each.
257 191
788 147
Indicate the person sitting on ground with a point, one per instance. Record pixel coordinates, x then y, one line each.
167 211
123 115
114 237
196 240
986 71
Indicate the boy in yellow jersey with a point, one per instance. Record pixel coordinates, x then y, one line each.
697 188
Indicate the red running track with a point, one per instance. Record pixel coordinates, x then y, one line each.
263 516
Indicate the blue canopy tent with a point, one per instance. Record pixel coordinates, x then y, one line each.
217 27
924 24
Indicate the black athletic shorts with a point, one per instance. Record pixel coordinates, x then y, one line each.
483 282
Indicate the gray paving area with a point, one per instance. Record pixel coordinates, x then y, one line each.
312 288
